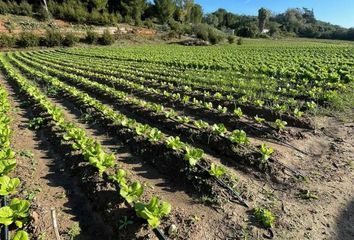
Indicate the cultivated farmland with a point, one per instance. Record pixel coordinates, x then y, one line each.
166 141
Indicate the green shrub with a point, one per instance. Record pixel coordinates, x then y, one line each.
13 7
149 23
240 41
215 36
107 38
208 33
4 7
201 31
27 39
91 37
52 39
70 39
7 41
25 9
42 14
231 39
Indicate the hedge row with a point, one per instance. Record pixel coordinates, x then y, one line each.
53 38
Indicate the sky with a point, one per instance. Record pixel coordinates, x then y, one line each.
340 12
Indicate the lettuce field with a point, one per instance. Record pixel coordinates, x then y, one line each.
175 142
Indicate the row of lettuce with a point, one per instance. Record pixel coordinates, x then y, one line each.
16 212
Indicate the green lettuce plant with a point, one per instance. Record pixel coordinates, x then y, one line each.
131 192
264 217
239 136
153 211
16 212
216 171
266 152
193 155
8 185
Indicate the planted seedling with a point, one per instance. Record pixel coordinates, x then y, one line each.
36 123
266 152
183 119
216 171
153 211
259 103
238 112
102 161
119 177
193 155
218 95
230 97
16 212
259 119
239 136
185 99
264 217
8 185
21 235
155 135
142 129
131 193
171 113
174 143
222 109
279 124
298 113
208 105
219 129
200 124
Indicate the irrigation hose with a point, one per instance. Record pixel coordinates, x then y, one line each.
4 229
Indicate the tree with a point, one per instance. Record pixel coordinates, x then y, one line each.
99 5
212 20
196 15
309 15
164 9
220 14
183 10
133 9
263 15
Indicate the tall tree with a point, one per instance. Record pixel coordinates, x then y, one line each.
165 9
183 10
196 15
263 15
211 19
133 9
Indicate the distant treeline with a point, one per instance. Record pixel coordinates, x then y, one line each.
181 16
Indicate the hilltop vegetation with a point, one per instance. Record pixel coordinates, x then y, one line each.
180 16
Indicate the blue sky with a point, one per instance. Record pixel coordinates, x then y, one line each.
339 12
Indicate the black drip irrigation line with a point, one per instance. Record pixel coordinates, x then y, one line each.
4 229
278 139
225 185
159 234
